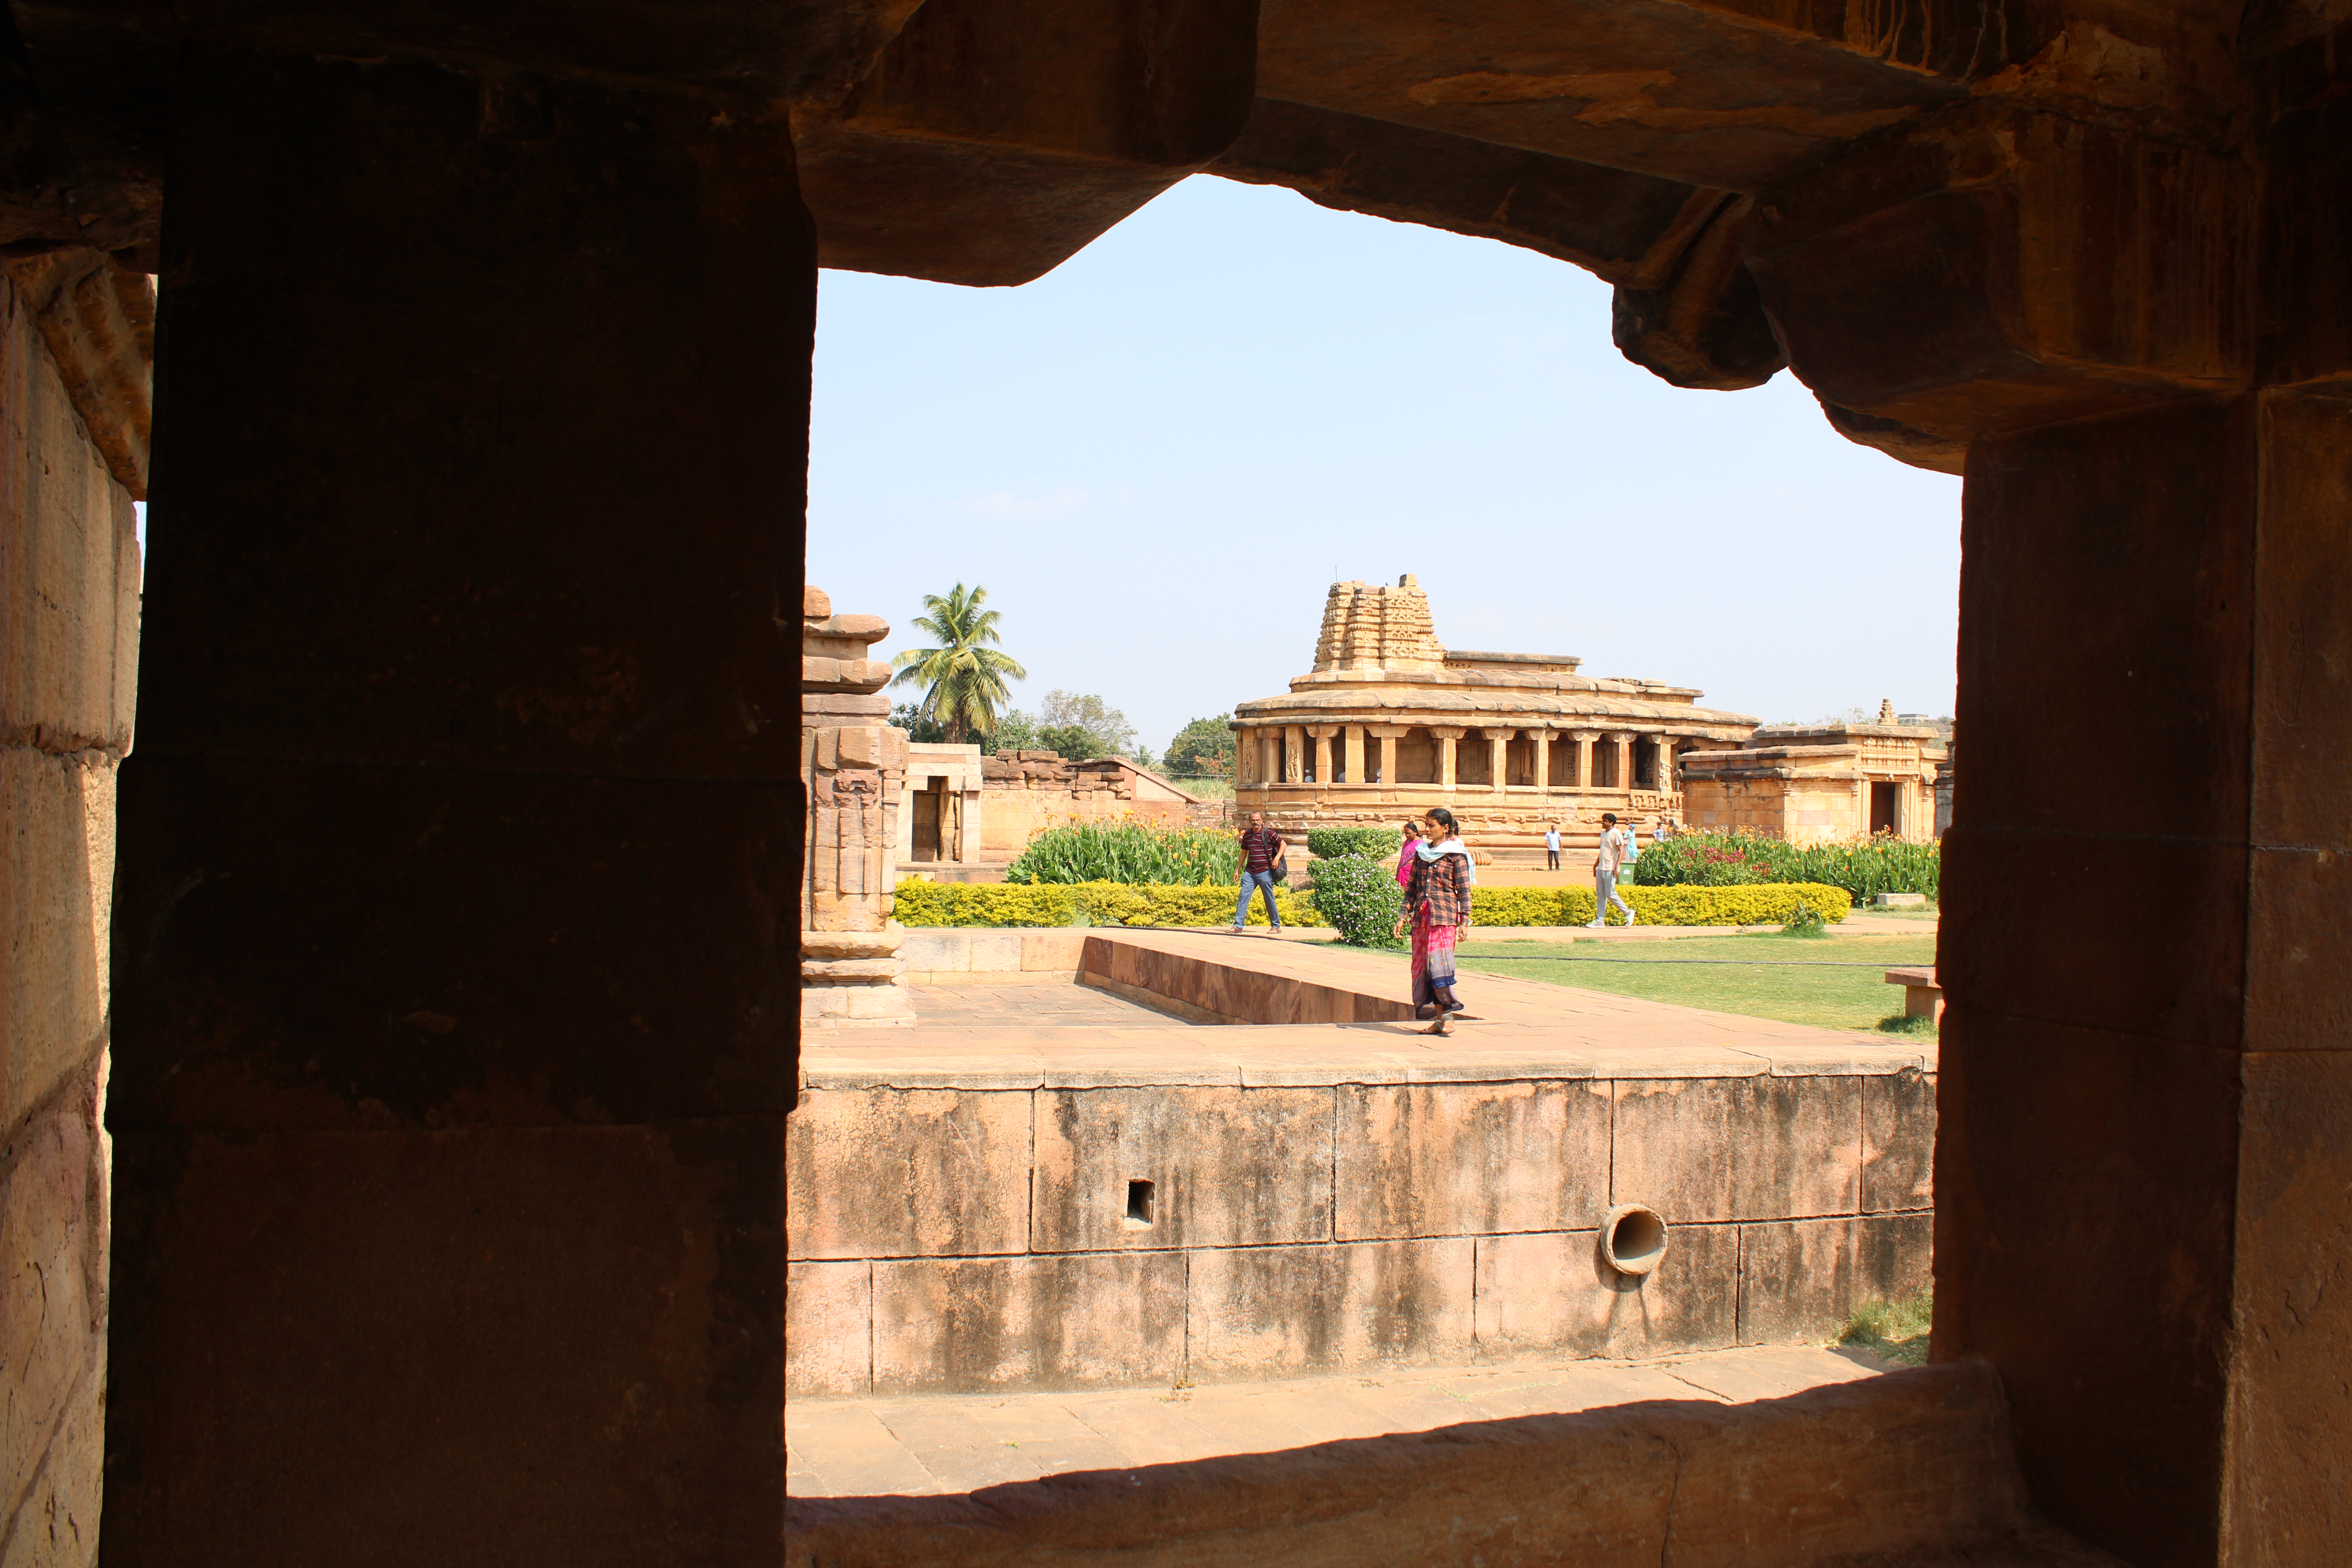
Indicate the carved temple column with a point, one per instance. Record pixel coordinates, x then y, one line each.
1583 740
1499 758
1355 752
1322 734
1621 760
1542 740
1269 755
454 995
1293 753
1446 736
1387 735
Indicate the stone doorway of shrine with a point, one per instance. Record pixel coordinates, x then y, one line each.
1885 808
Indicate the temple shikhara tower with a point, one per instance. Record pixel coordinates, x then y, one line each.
1389 722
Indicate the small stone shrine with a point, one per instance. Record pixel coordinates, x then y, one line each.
1389 722
1822 783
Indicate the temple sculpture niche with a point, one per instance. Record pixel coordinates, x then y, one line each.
1389 722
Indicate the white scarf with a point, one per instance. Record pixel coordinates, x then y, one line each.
1433 853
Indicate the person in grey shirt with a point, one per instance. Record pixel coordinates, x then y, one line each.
1615 842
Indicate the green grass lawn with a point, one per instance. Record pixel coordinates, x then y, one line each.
1841 985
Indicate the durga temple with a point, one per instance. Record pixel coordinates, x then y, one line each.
1389 722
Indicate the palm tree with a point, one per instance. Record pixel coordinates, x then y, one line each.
963 679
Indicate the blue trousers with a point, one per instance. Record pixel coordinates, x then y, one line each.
1257 880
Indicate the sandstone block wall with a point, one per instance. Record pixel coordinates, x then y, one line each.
973 1233
1027 791
69 602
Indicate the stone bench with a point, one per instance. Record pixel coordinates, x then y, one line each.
1922 997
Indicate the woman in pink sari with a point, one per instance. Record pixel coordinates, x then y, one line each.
1404 861
1437 907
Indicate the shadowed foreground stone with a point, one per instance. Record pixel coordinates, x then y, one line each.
1911 1468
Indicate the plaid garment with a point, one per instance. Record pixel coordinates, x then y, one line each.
1433 960
1442 887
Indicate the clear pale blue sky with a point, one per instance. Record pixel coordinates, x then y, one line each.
1158 458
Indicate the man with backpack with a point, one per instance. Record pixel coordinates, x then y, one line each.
1261 861
1616 849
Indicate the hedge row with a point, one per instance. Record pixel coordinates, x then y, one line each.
927 903
1771 904
1863 867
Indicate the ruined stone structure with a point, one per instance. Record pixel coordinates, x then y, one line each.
984 809
1389 722
854 763
76 333
454 958
1814 783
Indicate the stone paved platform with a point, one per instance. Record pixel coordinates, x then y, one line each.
959 1443
977 1037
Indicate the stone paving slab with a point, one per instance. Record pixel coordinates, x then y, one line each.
959 1443
1055 1034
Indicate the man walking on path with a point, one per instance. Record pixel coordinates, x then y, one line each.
1551 847
1262 852
1614 843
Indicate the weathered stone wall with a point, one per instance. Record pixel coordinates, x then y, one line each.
69 599
1023 792
955 1235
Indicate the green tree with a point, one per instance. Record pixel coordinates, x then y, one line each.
1082 726
1014 731
1204 746
907 716
964 679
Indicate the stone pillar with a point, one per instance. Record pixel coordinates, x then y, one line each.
1621 762
1541 741
455 951
1294 754
1269 755
2144 1119
1355 758
1322 734
1583 738
1498 759
1446 736
853 765
1387 735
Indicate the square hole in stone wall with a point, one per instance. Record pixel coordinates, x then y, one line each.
1140 1197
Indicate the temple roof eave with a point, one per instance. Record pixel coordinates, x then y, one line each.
1589 710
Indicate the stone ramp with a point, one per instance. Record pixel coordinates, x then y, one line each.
1768 1460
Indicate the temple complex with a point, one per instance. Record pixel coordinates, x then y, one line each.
1817 783
1389 722
436 946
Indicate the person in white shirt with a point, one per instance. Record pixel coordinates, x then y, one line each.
1616 845
1551 847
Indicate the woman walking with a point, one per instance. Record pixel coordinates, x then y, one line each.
1404 859
1437 905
